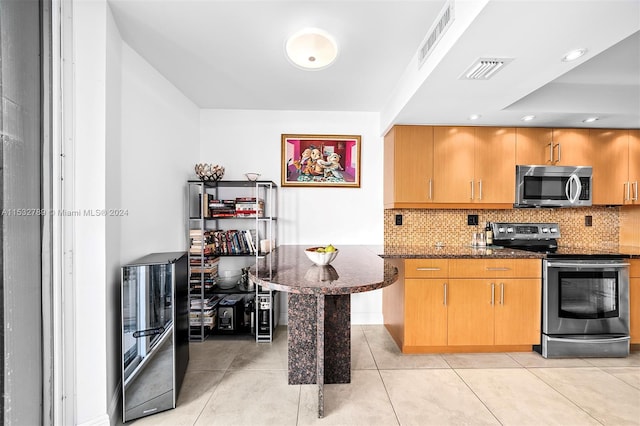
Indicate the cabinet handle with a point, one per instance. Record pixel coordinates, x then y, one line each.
427 269
559 153
627 191
431 189
493 294
502 293
480 188
472 196
445 293
635 191
489 268
550 152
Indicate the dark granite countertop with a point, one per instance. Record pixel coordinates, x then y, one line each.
356 269
456 252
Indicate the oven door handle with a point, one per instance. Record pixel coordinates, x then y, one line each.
586 265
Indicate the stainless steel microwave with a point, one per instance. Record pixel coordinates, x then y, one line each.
553 186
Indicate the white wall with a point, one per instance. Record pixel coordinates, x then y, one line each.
136 140
89 272
113 175
250 141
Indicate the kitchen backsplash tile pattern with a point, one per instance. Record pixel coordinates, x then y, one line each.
431 226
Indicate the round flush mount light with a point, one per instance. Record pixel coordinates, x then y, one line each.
590 120
573 55
528 117
311 49
474 116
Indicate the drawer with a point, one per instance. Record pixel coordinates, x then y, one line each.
634 269
495 268
426 268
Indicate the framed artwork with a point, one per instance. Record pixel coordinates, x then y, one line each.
321 160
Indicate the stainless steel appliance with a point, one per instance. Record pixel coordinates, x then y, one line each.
585 293
553 186
155 333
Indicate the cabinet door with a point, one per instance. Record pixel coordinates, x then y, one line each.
495 161
517 312
425 312
453 174
533 146
408 167
611 166
572 147
470 313
634 165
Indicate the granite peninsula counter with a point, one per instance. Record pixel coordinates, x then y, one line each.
319 307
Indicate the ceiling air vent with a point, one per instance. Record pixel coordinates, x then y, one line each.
435 33
484 68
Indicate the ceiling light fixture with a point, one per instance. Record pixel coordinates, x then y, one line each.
573 55
590 120
474 116
528 117
311 49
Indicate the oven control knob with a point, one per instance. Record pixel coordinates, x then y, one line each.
545 230
501 230
554 230
509 230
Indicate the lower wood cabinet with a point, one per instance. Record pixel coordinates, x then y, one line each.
497 309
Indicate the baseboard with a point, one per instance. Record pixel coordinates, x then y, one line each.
102 420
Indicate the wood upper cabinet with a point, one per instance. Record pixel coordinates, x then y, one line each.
408 171
611 166
453 171
634 165
616 168
473 165
495 162
572 147
554 147
533 146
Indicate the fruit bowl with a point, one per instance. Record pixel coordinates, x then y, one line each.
321 257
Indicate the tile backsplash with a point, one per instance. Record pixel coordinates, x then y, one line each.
430 226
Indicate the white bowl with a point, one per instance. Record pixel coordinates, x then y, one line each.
252 176
228 279
320 257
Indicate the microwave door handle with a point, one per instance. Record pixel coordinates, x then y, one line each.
571 195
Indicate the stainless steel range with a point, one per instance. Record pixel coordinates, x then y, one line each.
585 293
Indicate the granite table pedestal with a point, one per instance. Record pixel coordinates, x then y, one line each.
319 308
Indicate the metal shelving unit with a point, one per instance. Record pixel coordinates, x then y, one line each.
263 228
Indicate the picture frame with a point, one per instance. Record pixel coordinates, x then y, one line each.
321 160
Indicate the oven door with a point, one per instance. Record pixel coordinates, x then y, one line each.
585 297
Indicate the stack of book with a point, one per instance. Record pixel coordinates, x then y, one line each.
203 311
203 272
249 207
222 208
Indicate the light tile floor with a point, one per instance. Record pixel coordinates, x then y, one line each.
235 381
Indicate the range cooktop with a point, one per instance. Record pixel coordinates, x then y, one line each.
543 238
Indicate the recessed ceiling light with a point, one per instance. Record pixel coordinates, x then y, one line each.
590 120
528 117
474 116
311 49
573 55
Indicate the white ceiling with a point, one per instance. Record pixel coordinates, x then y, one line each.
230 55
